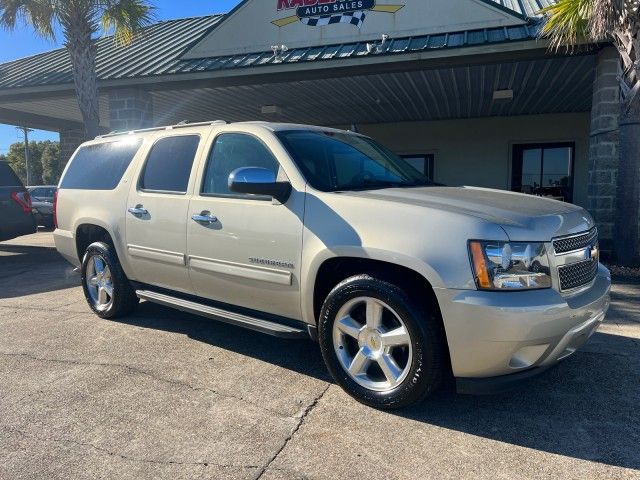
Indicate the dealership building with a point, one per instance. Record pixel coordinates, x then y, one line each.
463 89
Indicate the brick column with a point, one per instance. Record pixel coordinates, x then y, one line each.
130 109
69 141
604 148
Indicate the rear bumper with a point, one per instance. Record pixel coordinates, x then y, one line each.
66 246
15 230
497 334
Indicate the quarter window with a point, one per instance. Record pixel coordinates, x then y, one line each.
232 151
169 164
100 166
7 177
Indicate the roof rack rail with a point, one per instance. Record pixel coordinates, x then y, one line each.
182 124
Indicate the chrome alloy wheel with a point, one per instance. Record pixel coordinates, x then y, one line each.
372 344
99 283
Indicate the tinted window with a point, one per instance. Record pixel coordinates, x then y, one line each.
333 161
7 177
169 164
544 170
100 167
230 152
423 163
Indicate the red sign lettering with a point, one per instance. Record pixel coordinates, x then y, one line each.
289 4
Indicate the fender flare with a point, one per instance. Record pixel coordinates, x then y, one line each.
310 273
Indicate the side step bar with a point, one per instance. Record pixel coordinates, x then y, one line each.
240 320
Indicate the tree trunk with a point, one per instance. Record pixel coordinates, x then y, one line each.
82 50
627 235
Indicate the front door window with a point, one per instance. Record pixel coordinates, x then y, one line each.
545 170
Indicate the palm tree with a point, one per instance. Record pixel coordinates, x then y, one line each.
572 22
80 21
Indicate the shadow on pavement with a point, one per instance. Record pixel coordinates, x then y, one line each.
28 270
301 356
586 408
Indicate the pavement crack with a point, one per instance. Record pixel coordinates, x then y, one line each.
302 416
123 456
146 373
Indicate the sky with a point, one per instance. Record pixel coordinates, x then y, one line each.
22 43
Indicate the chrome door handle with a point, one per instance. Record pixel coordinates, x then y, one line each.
204 217
138 211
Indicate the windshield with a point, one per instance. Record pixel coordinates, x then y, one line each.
335 161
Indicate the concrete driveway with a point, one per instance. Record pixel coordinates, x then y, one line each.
162 394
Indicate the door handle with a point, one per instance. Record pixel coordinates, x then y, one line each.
204 217
138 211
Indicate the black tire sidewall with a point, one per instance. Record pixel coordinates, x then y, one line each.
124 299
426 369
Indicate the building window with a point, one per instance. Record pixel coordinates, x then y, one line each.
545 170
422 163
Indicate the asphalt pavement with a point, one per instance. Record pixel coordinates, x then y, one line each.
167 395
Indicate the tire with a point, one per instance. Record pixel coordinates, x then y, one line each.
122 300
418 363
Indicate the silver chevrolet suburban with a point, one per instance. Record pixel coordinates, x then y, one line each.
299 231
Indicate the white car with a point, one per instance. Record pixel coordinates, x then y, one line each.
299 231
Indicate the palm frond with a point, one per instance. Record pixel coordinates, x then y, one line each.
125 18
40 14
567 22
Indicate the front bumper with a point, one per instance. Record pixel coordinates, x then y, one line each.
496 334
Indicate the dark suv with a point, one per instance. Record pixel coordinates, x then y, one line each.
16 218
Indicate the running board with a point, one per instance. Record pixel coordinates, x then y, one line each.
252 323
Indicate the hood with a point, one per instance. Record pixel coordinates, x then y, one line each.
523 217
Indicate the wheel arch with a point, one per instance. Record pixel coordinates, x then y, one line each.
330 268
88 231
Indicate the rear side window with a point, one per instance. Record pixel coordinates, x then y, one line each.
100 167
7 177
169 164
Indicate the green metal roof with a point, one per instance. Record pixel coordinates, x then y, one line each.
156 51
160 48
526 8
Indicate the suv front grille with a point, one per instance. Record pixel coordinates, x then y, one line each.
577 274
570 244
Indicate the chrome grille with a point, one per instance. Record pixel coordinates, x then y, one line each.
577 274
576 242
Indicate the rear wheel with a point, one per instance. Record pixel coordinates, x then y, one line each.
383 348
106 287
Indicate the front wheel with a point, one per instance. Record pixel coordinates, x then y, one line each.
106 287
383 348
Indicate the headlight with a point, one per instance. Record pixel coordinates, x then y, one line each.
510 266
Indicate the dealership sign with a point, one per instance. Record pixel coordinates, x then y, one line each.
318 13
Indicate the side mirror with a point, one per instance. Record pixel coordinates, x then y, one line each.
258 181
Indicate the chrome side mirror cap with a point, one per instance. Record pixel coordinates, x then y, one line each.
259 181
